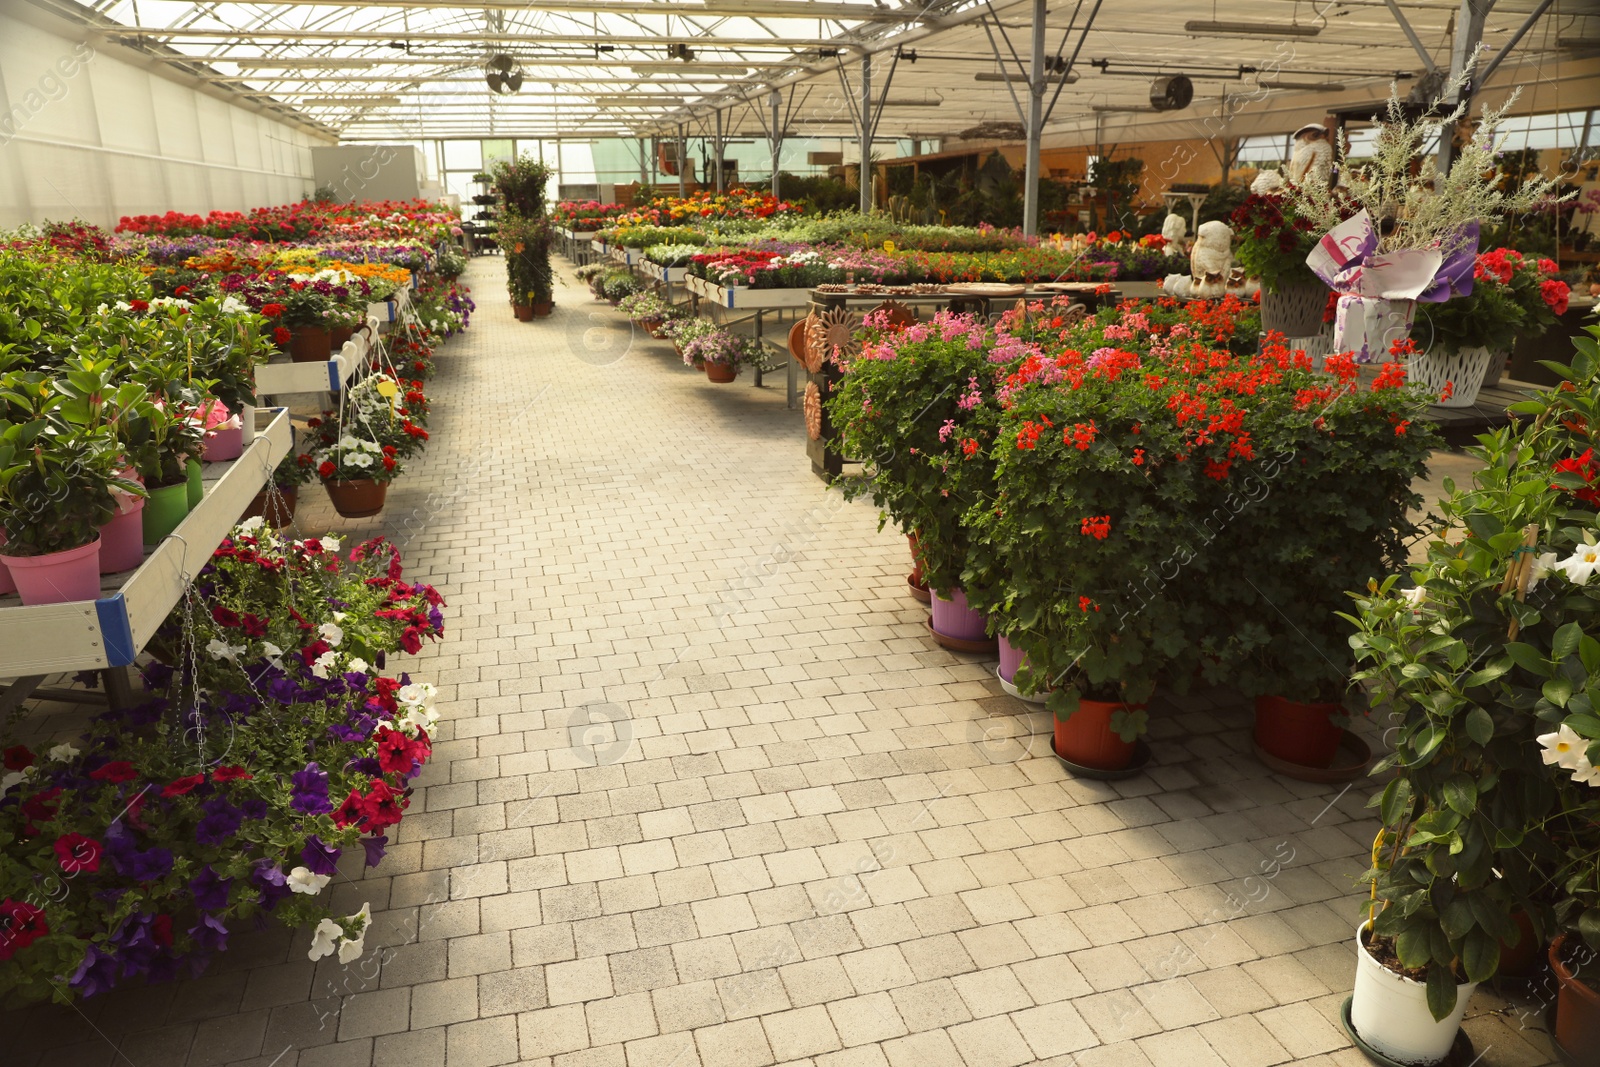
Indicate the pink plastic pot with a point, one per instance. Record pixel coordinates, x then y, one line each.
7 586
953 618
122 539
1011 658
58 577
223 444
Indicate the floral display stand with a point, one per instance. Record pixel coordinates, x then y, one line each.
110 631
277 378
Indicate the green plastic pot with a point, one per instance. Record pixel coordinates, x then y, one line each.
197 489
164 510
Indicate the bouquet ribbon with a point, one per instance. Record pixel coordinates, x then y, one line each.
1378 291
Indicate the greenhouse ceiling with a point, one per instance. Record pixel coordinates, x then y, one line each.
942 69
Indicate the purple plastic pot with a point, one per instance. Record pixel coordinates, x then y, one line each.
953 618
1011 658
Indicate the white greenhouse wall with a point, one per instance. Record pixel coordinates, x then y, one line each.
86 134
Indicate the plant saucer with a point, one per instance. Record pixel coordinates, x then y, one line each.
1141 759
1461 1053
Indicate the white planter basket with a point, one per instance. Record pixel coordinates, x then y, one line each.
1464 368
1391 1013
1294 310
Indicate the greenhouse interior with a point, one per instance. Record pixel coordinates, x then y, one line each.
393 676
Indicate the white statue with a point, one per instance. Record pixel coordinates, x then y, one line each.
1267 183
1210 261
1174 229
1313 155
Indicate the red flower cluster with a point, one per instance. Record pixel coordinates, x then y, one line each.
1096 526
378 807
21 924
1584 467
75 853
1080 436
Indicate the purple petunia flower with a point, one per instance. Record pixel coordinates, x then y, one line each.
254 808
310 794
269 879
146 866
210 891
320 858
220 823
96 974
367 765
375 848
209 934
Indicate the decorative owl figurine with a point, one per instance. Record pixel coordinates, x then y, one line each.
1175 230
1267 183
1210 261
1312 160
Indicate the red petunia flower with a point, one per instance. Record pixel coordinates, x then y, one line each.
349 811
394 751
18 757
75 852
231 773
115 772
182 786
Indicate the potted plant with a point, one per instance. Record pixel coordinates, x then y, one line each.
618 282
276 501
683 331
1492 649
1271 242
720 352
1396 226
360 449
56 478
646 309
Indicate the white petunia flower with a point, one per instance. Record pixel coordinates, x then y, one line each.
270 649
324 939
220 649
331 633
350 948
252 524
332 544
63 752
348 442
359 460
323 664
8 782
301 880
1563 746
358 665
1581 565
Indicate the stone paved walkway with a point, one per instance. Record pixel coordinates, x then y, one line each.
706 792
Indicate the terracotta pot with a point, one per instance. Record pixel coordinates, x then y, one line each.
915 577
1296 732
357 499
1518 961
722 373
338 335
1087 740
542 308
278 512
310 344
1577 1007
524 312
58 577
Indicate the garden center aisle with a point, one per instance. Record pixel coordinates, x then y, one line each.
705 791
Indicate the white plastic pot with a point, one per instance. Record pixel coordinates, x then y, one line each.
1463 368
1391 1013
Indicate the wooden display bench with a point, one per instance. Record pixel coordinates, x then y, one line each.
106 634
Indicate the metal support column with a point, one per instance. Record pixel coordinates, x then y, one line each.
866 133
682 189
716 144
1030 196
774 98
1463 55
644 161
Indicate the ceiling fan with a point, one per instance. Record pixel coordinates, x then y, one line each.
503 74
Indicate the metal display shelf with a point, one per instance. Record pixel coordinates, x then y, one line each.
331 375
81 635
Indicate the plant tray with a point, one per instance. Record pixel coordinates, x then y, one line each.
1141 759
919 592
1013 691
1351 762
959 644
1461 1053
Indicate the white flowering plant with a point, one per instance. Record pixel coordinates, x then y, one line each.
1490 671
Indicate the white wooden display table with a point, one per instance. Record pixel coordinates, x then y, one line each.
330 375
83 635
